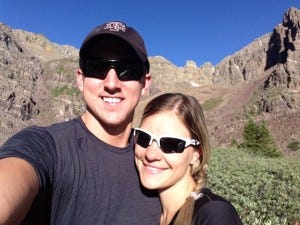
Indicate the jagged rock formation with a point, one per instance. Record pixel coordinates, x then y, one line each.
277 55
283 59
38 83
245 65
27 82
265 75
18 77
40 47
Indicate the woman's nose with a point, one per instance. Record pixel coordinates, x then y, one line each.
153 152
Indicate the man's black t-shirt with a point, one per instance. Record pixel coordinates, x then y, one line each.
82 179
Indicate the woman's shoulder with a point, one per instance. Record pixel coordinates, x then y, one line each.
209 196
211 208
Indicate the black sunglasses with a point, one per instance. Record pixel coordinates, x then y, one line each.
166 144
126 69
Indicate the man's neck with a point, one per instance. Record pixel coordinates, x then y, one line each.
117 136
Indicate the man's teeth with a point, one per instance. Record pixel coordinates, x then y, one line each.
112 100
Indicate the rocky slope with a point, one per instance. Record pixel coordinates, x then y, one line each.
262 80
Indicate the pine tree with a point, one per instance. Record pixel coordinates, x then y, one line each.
257 139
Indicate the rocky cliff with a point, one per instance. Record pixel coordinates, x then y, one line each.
262 79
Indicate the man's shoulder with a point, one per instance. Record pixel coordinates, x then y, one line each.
50 132
64 127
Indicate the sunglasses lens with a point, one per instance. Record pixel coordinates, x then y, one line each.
126 70
142 138
172 145
96 68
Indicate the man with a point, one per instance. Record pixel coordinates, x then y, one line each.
82 171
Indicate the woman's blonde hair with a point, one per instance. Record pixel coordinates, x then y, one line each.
191 114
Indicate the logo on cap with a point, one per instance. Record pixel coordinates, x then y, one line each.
115 26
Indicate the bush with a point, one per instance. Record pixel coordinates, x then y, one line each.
263 190
57 91
234 143
294 145
211 103
257 139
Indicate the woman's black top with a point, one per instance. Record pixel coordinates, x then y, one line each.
211 209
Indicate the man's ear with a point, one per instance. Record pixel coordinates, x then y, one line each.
147 83
79 79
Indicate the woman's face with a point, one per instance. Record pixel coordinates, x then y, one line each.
159 170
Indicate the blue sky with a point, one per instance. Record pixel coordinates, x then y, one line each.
179 30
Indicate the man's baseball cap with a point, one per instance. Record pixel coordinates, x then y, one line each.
116 29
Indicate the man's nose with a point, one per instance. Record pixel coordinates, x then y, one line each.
111 79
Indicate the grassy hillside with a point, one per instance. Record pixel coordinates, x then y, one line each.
263 190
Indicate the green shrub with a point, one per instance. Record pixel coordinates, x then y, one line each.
264 190
294 145
257 139
57 91
211 103
234 143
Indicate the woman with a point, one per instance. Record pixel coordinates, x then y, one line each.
171 153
